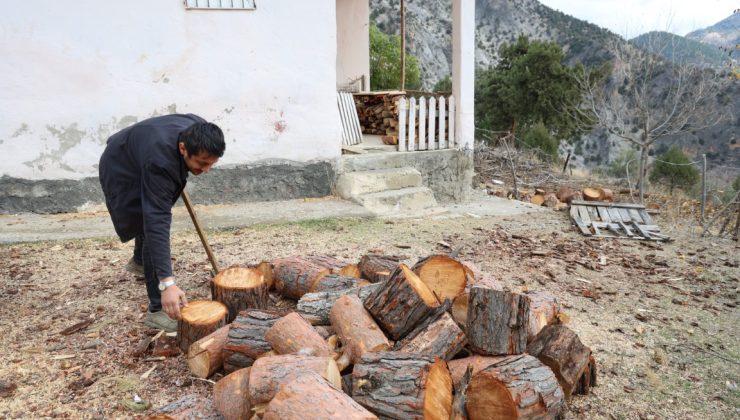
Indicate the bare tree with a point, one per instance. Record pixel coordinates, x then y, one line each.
647 98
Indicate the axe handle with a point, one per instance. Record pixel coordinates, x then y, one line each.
191 210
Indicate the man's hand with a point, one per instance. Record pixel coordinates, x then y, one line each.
172 299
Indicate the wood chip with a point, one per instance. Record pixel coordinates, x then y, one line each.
63 356
146 374
76 327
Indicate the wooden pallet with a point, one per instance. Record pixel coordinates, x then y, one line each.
615 220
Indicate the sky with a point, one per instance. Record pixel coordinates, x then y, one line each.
631 18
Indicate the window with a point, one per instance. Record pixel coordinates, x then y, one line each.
221 4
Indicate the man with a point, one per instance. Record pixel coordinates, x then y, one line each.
143 171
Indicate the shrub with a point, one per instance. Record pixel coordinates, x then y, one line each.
673 168
538 137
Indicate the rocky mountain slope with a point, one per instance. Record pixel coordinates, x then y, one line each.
724 34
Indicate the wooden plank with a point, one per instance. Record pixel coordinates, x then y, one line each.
608 204
442 115
422 123
451 121
412 124
596 229
626 216
593 214
584 214
402 125
626 229
431 119
614 215
636 216
355 150
604 213
578 222
646 217
642 231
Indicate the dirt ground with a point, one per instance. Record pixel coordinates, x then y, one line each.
661 319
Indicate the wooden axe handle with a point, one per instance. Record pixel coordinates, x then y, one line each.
191 210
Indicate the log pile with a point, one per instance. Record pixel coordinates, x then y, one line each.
393 344
378 113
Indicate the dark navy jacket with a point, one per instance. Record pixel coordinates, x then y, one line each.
142 174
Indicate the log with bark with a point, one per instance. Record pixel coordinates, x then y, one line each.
566 195
459 308
498 322
268 373
205 356
310 396
403 386
350 270
591 194
231 396
559 348
356 329
543 310
315 307
442 338
338 282
376 268
296 276
198 319
292 333
518 387
401 302
446 277
537 199
246 339
476 362
265 267
240 288
588 379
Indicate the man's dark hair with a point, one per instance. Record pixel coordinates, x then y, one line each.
203 137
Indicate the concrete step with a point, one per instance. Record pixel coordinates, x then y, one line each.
399 202
353 184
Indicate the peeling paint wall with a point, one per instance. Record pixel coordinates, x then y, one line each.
72 73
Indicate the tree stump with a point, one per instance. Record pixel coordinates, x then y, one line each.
403 386
560 349
591 194
310 396
543 310
315 307
205 356
399 303
476 362
295 276
246 339
268 373
231 396
498 322
356 329
459 308
377 268
292 333
337 282
518 387
445 276
199 318
240 288
442 339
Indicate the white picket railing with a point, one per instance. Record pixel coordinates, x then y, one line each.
430 114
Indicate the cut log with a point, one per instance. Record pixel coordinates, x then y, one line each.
558 347
265 268
231 396
205 356
543 310
605 194
337 282
588 379
518 387
401 302
376 267
537 199
350 270
442 339
240 288
356 329
566 195
591 194
498 322
268 373
246 340
199 318
445 276
315 307
292 333
459 308
310 396
476 362
403 386
295 276
551 201
458 403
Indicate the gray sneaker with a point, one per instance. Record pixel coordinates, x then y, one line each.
135 268
161 321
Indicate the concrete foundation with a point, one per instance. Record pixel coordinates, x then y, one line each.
268 182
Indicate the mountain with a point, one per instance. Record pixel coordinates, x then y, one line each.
724 34
681 50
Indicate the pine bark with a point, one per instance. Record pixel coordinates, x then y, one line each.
445 276
518 387
459 308
356 329
292 333
403 386
240 288
476 362
543 310
442 339
376 267
400 303
310 396
498 322
295 276
337 282
205 356
246 339
199 318
268 373
588 379
315 307
230 396
559 348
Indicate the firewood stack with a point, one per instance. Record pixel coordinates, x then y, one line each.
390 345
378 113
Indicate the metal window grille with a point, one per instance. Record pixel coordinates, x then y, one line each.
221 4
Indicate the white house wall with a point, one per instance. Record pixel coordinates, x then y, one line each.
353 41
73 72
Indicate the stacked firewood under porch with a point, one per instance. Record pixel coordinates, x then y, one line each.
379 339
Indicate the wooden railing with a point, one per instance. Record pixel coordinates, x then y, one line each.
426 123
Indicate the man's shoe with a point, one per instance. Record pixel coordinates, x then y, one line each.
161 321
135 268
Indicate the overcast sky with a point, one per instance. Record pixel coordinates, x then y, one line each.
630 18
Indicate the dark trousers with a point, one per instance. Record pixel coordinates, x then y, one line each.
142 256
